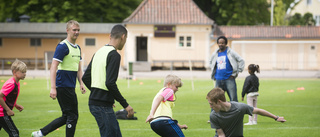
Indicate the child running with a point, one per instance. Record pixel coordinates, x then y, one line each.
8 97
160 117
251 88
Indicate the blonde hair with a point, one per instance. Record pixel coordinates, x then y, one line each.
72 22
18 65
172 79
216 94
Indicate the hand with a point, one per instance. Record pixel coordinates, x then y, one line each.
114 105
281 119
19 107
53 93
10 113
242 98
183 126
130 111
149 118
83 89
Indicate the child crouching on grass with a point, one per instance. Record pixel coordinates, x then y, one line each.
8 97
160 117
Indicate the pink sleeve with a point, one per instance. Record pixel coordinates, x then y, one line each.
167 94
7 88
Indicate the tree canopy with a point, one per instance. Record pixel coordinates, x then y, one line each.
63 10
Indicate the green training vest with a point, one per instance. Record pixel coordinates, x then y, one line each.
98 67
71 61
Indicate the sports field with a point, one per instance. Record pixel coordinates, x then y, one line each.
301 108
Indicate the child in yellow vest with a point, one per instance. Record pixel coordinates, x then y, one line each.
160 118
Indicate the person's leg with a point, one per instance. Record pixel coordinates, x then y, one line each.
60 121
254 104
250 103
231 88
167 128
71 111
106 120
7 124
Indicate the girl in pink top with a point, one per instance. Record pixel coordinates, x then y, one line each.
160 118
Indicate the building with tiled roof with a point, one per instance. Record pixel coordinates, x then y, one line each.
167 33
274 47
168 12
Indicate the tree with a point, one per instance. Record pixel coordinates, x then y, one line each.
305 20
236 12
62 10
279 14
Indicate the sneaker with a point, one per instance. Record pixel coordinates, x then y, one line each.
249 123
254 122
36 134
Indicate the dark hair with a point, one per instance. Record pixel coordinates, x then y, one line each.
117 31
253 68
222 37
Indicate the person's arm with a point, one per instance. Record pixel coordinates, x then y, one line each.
112 71
240 61
263 112
79 74
245 87
220 132
19 107
155 105
86 78
183 126
5 106
53 75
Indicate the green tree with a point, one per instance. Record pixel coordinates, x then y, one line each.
305 20
62 10
236 12
279 14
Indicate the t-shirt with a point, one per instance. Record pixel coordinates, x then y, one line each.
11 90
64 78
224 68
166 105
231 122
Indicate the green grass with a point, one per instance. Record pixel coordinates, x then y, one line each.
300 108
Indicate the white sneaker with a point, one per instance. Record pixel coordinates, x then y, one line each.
254 122
36 134
249 123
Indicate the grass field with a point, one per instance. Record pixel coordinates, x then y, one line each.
301 109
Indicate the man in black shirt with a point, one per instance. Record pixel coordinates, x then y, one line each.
100 77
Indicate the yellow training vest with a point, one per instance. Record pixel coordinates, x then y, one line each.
71 61
164 108
98 67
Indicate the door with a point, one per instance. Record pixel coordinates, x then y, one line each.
142 48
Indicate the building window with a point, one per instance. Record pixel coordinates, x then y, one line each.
317 19
185 41
35 42
309 2
313 47
0 42
90 41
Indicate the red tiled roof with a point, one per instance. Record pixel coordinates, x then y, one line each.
168 12
268 32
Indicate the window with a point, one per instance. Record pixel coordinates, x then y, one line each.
313 47
164 31
0 42
309 2
185 41
317 19
90 41
35 42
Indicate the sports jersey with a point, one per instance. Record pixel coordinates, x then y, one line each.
65 78
11 90
165 106
231 122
